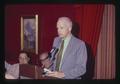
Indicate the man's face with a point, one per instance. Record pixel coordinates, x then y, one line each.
23 59
62 29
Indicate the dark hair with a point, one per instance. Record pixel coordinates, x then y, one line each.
26 54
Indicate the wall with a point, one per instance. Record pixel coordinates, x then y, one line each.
47 14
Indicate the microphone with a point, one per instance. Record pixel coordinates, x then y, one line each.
53 49
52 53
49 53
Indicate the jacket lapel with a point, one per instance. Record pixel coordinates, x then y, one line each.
67 51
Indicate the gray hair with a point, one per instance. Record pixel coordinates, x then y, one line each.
65 21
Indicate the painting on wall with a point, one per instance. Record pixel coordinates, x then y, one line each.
29 33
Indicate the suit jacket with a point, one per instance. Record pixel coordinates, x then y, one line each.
75 58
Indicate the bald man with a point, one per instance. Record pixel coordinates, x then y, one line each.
70 62
45 60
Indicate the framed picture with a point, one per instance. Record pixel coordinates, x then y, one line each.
29 33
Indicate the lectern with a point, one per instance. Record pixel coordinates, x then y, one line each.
28 71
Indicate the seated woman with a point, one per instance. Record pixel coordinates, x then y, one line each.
12 71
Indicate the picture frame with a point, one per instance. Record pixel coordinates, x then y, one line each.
29 33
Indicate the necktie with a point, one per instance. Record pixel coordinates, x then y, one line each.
59 56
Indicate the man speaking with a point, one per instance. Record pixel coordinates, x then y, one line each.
70 61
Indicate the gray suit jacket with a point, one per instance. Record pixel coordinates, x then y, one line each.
75 58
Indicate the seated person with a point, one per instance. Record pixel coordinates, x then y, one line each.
45 60
12 71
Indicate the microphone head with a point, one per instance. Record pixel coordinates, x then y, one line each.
54 53
52 49
50 53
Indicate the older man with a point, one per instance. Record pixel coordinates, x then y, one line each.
12 71
70 62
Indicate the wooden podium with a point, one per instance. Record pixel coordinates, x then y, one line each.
27 71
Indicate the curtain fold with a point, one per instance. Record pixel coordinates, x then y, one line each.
105 58
89 17
97 29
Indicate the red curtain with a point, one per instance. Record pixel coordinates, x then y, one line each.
89 17
105 57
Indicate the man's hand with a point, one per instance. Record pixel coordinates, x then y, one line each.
57 74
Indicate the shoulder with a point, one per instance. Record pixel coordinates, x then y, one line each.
56 41
56 38
16 65
78 41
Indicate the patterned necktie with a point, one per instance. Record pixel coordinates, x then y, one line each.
59 56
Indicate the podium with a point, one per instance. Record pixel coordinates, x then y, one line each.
28 71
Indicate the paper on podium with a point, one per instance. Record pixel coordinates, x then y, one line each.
47 70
